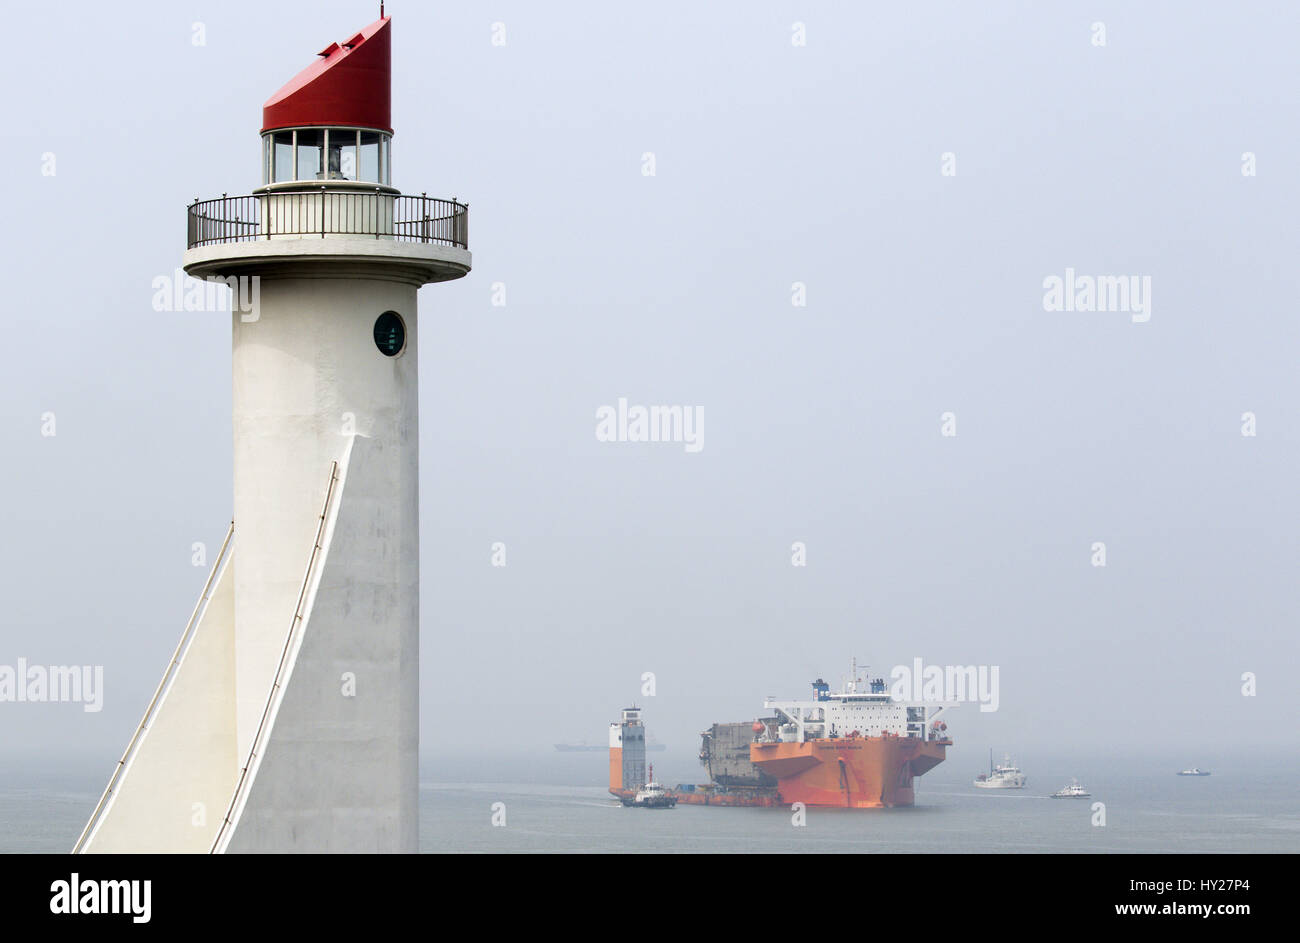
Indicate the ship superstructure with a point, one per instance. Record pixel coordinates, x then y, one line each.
627 767
857 748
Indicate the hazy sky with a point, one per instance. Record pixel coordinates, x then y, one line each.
774 164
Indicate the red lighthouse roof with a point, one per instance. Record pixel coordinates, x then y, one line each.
349 85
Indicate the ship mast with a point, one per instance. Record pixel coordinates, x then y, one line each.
852 687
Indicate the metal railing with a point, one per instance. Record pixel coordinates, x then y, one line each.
237 801
182 647
325 212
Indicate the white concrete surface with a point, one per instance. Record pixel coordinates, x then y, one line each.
308 376
175 789
339 770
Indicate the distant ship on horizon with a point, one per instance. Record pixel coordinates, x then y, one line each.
582 746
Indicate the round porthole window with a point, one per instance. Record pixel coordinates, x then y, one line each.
390 334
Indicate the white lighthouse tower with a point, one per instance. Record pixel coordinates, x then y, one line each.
287 719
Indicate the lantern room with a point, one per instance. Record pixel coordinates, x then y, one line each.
332 122
314 154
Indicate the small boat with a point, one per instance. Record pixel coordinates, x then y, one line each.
1072 791
1194 771
653 796
1003 776
650 796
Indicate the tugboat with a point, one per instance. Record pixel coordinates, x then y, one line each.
1194 771
1003 776
1072 791
651 796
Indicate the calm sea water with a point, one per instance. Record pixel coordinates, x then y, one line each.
557 803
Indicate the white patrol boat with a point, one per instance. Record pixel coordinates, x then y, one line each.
1005 775
1072 791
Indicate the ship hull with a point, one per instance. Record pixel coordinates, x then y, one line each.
707 795
850 772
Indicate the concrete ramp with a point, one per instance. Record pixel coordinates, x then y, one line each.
170 789
333 766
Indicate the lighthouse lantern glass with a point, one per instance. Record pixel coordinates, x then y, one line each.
316 154
281 155
341 145
368 167
310 148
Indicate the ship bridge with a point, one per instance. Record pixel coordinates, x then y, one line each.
872 712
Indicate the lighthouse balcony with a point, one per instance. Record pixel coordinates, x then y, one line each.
338 209
343 226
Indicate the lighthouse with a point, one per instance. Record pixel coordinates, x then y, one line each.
287 717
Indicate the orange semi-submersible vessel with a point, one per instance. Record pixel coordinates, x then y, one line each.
859 749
